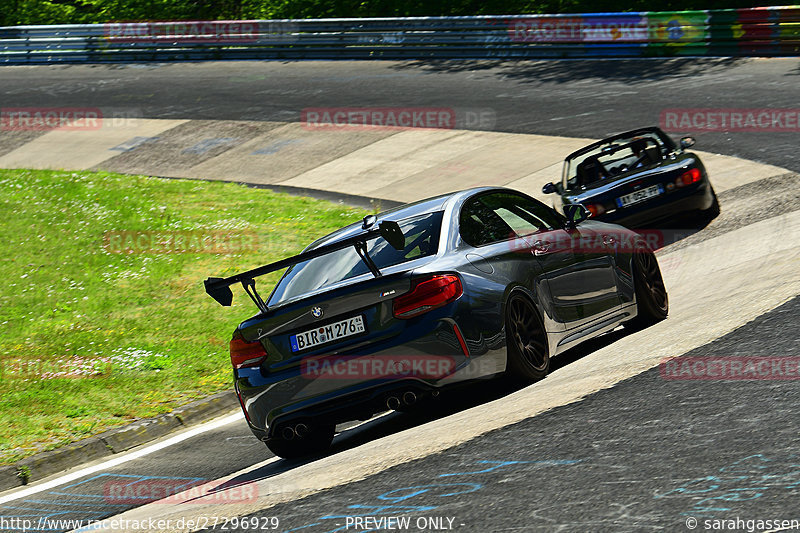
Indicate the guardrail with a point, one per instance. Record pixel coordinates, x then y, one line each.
762 31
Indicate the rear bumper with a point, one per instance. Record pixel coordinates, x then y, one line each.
697 197
337 388
350 403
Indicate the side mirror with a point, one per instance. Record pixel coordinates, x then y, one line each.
575 213
549 188
687 142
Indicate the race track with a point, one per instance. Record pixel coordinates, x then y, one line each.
605 443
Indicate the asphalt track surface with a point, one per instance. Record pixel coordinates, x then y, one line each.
569 98
646 455
631 458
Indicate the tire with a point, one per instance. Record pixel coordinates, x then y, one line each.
526 341
318 440
712 212
652 301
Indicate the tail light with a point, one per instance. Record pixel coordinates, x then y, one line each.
595 209
687 178
246 354
427 295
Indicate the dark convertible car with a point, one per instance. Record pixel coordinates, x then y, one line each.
636 178
389 311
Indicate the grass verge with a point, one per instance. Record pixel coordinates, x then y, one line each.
103 316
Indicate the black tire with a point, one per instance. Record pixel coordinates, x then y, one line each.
318 440
526 341
652 300
712 212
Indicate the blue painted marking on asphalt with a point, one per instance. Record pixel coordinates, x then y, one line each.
134 143
207 144
723 487
425 491
73 504
49 513
500 464
59 508
275 147
472 487
135 478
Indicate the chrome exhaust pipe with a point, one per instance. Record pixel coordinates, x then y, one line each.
393 403
288 433
301 430
409 398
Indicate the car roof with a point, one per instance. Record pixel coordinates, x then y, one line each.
418 208
631 133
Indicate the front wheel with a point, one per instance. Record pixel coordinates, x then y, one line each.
317 440
526 341
652 301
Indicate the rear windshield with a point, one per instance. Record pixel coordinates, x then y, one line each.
422 239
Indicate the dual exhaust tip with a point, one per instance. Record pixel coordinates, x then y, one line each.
394 403
298 431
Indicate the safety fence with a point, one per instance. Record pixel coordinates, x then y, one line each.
761 31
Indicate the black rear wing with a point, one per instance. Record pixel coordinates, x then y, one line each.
219 288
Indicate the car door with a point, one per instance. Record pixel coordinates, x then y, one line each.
594 280
487 228
579 272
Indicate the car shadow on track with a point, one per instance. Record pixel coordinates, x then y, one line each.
634 70
669 232
449 402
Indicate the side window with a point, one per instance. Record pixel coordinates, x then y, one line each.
499 216
480 225
524 215
546 218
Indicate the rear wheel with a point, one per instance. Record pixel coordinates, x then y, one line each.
712 212
526 342
317 440
651 295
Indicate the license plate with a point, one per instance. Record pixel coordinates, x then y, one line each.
638 196
330 333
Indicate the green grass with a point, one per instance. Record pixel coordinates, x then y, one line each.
91 339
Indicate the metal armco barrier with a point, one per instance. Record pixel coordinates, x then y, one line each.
762 31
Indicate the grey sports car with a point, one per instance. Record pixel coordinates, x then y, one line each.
393 309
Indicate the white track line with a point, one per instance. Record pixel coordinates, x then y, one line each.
136 454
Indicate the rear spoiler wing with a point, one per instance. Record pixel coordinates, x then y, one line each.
219 288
